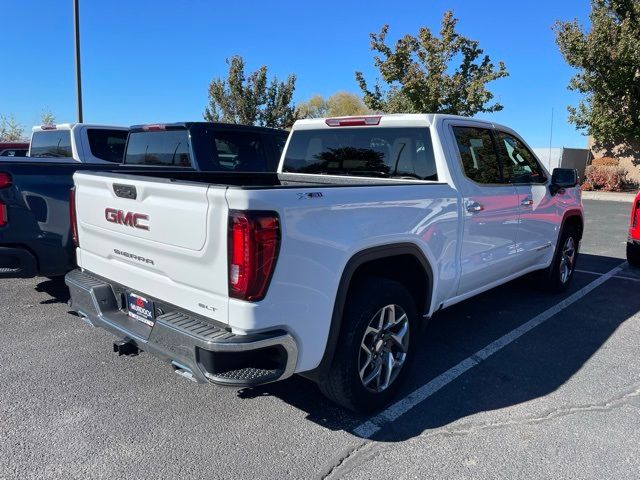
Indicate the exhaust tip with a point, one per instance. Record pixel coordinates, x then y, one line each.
183 371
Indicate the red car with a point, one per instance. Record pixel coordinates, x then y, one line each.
633 242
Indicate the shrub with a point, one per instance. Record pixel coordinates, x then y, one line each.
586 187
609 178
605 162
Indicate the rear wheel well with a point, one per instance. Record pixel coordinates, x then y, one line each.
405 269
404 263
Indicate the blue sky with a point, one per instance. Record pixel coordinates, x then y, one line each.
151 61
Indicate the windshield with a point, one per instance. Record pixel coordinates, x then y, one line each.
164 147
366 151
51 143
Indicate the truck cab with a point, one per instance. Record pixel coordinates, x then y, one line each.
80 142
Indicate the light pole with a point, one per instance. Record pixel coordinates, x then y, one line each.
76 27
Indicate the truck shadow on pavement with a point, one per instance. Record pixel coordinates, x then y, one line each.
55 288
533 366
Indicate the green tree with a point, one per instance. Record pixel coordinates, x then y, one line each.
315 107
340 104
279 110
427 73
252 99
10 129
607 58
47 117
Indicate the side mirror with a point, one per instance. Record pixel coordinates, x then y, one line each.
563 178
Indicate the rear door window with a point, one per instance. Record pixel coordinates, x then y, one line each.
164 147
478 154
367 151
107 144
51 143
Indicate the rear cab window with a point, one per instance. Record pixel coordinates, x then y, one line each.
51 143
199 146
364 151
107 144
161 147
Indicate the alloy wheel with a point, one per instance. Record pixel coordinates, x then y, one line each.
384 347
567 262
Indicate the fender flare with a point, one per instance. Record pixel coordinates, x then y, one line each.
356 261
573 212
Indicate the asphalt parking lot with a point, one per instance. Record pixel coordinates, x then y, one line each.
514 383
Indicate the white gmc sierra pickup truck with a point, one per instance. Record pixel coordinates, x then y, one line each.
328 267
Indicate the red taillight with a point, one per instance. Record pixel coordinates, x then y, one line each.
48 127
72 216
635 215
353 121
254 240
5 180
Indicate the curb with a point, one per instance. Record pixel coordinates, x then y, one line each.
609 196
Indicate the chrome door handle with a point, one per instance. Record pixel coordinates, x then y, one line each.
474 207
527 202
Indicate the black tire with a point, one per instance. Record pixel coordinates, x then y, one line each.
343 384
633 254
552 278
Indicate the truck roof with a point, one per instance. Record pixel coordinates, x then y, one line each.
71 126
388 120
187 125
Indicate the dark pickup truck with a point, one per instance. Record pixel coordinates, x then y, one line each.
35 236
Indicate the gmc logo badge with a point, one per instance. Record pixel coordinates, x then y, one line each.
130 219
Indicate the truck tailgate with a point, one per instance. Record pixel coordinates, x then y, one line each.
156 235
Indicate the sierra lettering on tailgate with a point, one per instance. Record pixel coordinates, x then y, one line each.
133 257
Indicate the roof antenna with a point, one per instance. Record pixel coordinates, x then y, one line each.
551 138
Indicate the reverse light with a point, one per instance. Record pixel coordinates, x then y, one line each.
254 241
353 121
72 217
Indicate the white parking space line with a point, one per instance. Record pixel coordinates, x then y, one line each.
590 272
621 277
393 412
